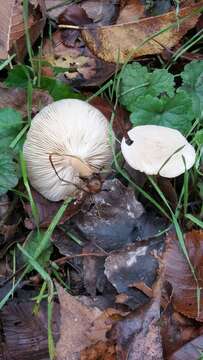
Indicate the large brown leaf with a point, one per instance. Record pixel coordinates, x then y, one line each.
12 32
81 326
179 275
127 39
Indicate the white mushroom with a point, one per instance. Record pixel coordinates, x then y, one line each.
68 139
158 150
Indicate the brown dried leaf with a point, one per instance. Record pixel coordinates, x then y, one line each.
105 42
101 350
132 11
17 99
85 69
12 33
178 273
81 326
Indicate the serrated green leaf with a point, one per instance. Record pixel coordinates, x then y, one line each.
170 112
192 77
10 125
137 81
17 76
57 89
33 242
8 173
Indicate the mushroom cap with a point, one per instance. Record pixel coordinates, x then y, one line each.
76 135
158 150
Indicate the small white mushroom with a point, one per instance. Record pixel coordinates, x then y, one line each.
158 150
69 138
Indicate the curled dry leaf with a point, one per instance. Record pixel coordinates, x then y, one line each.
126 40
179 275
12 32
17 99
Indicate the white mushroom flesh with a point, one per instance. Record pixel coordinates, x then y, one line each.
158 150
76 135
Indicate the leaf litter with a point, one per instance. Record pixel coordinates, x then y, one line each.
125 286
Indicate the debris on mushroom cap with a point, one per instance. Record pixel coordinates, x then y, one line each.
76 136
158 150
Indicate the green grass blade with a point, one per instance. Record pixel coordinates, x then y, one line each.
195 220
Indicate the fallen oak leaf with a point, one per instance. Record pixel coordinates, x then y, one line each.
178 273
110 41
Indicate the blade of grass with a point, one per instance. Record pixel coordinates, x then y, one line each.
195 220
6 62
50 286
27 35
34 208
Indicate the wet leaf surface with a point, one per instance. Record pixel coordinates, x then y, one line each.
131 265
138 335
192 350
24 335
111 217
179 275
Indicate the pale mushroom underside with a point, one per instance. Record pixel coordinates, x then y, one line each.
76 135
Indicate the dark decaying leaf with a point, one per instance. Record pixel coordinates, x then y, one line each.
17 99
138 335
4 205
74 61
109 218
131 265
176 331
12 33
81 326
100 12
192 350
179 275
23 336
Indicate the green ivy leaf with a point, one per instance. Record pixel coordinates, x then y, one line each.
17 76
33 242
192 77
8 173
137 81
173 112
57 89
10 125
